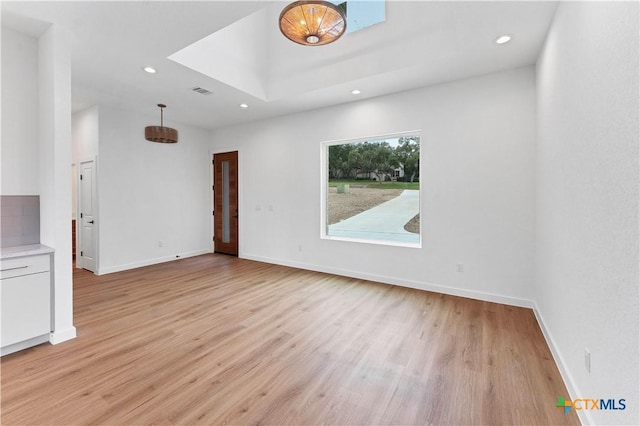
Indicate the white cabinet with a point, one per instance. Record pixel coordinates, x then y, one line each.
25 302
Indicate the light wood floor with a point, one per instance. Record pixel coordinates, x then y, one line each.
219 340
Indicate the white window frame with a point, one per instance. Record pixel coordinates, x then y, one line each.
324 184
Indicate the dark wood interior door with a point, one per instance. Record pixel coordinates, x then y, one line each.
225 203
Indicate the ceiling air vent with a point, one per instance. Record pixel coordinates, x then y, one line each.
202 91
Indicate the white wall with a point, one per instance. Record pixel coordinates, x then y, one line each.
54 155
151 192
19 114
36 147
477 187
587 201
85 134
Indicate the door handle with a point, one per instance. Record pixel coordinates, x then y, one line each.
90 221
13 269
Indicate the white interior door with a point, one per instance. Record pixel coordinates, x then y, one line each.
87 240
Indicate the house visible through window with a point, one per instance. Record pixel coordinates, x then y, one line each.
372 190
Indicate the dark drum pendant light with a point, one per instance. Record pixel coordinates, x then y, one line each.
313 23
160 133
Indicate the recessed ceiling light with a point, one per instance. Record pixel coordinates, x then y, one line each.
244 106
150 70
355 92
503 39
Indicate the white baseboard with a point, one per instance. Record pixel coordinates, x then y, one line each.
6 350
126 267
478 295
59 336
583 415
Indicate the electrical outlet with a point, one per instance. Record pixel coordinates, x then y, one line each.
587 360
300 247
460 267
160 243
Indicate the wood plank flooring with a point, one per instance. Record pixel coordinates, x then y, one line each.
219 340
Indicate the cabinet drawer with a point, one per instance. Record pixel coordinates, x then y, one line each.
25 308
27 265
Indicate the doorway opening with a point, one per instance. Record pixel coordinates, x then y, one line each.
74 207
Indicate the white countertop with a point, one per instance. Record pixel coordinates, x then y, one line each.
19 251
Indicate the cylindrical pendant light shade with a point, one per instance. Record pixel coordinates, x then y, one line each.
312 23
160 133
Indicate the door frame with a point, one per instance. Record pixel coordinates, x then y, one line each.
96 227
212 152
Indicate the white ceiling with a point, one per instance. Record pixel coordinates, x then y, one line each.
420 43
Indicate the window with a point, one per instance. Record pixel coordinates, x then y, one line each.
371 190
363 14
